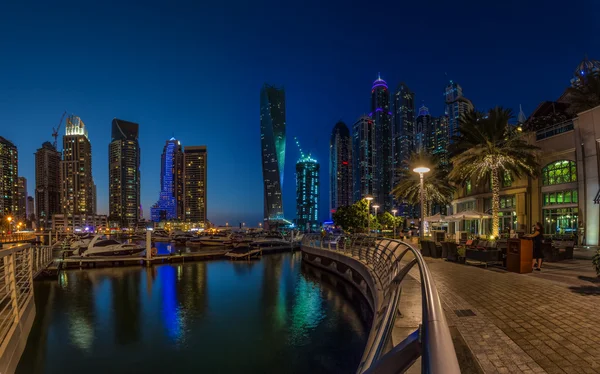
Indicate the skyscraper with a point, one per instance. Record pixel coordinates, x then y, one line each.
9 171
124 173
404 124
340 167
195 175
423 129
272 137
47 184
384 158
76 168
22 198
456 105
30 208
307 192
363 158
94 199
437 139
170 201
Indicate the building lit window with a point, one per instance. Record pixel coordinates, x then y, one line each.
558 172
560 197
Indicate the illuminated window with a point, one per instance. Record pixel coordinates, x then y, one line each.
558 172
468 188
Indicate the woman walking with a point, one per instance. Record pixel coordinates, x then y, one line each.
538 253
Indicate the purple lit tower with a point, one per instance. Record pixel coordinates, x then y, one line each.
170 202
384 157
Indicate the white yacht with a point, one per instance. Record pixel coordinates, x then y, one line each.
161 236
270 240
107 247
214 240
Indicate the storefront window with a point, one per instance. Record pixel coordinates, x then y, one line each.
561 221
560 197
558 172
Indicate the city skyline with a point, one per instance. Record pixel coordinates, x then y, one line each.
213 101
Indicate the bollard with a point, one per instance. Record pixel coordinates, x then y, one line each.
148 245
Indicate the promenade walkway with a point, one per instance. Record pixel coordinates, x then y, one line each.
544 322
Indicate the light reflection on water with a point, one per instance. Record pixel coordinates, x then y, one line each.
266 316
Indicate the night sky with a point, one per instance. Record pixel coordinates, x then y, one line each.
194 71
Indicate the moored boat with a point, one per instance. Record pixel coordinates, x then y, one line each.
107 247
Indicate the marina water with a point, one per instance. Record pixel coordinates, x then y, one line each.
274 315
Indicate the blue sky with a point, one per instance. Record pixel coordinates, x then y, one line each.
193 70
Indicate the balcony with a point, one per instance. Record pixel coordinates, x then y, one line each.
559 128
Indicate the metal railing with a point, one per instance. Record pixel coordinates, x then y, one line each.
16 237
553 130
385 258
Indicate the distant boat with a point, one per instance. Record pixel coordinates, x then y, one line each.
161 236
212 240
107 247
270 240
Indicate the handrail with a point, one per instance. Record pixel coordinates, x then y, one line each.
384 258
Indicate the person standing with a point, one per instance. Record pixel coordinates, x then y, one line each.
538 252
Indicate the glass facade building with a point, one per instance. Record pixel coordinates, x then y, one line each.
272 138
384 158
364 178
170 202
195 173
9 172
47 184
404 124
307 193
76 169
340 167
124 174
22 198
456 105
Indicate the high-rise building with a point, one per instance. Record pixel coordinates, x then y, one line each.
404 125
76 168
47 184
437 139
423 129
384 158
30 208
170 201
22 198
195 175
364 178
272 138
456 105
307 193
9 172
124 173
94 199
340 167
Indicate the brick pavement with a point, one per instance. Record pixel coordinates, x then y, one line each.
523 323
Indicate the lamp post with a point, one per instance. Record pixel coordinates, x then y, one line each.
376 207
394 211
369 198
9 219
422 170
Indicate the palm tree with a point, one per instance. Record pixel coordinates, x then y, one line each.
435 183
585 96
488 147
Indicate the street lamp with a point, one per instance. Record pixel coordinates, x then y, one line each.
422 170
9 219
369 198
376 207
394 211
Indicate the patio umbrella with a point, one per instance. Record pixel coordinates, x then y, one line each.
436 218
469 214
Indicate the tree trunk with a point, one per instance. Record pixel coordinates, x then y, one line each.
495 202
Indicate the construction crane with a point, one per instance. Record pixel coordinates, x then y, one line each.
56 129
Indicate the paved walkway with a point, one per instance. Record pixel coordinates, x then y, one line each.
544 322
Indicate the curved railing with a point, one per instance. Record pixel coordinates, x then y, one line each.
385 258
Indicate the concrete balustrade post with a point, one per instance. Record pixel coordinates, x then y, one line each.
12 281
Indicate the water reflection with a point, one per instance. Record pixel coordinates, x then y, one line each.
262 316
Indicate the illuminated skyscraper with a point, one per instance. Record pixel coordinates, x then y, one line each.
456 105
76 169
124 173
384 158
404 124
22 198
423 129
30 208
272 137
170 202
340 167
9 172
47 184
307 192
437 139
195 172
364 178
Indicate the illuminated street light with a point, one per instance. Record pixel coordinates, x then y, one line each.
422 170
369 198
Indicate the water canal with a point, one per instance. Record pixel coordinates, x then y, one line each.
274 315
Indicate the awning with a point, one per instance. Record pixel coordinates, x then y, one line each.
469 214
